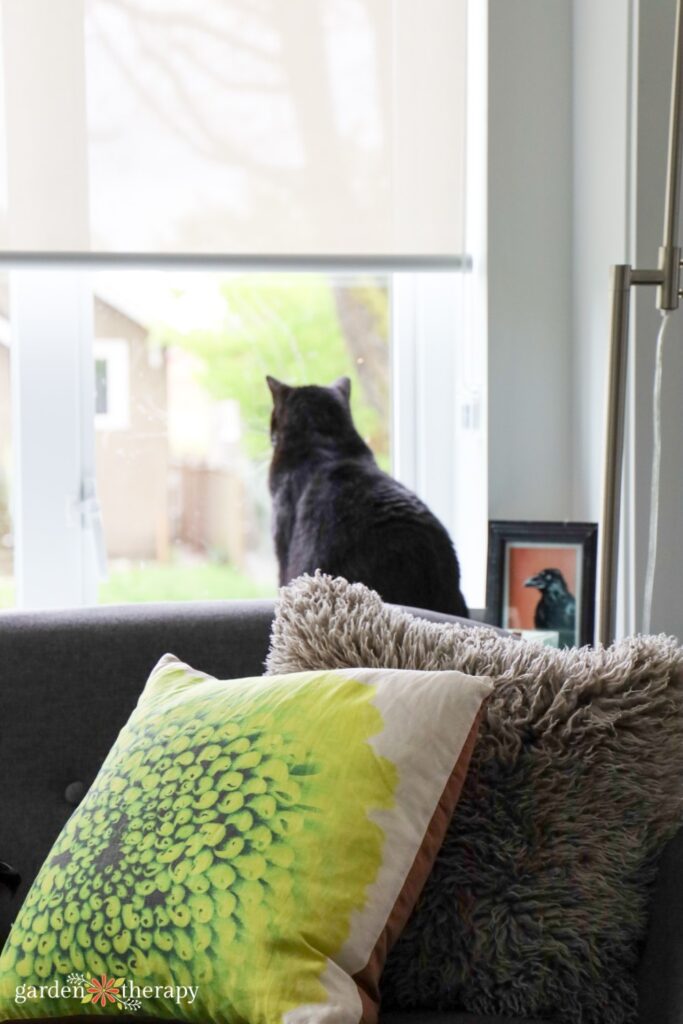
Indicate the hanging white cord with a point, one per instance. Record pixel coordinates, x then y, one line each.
654 486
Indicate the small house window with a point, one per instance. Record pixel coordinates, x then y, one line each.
101 395
112 384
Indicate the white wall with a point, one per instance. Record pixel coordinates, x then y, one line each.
529 259
621 89
600 129
655 26
602 200
578 116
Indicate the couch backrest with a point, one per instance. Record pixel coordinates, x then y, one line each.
69 681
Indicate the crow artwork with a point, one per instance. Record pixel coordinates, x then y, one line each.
556 609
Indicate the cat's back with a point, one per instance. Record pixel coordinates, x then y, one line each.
356 488
356 521
335 510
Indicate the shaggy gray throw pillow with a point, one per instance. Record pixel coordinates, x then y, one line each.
538 900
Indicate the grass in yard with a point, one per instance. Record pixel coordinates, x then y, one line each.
156 581
7 597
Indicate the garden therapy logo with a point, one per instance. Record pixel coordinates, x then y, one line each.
105 992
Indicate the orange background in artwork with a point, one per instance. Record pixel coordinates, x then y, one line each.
525 562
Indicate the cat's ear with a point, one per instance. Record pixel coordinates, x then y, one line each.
343 385
277 388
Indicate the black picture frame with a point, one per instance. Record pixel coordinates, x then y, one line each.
534 542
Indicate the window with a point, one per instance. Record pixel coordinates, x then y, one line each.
112 379
240 168
160 492
101 387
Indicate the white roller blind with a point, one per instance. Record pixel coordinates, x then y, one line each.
229 127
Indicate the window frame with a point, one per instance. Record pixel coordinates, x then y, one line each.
57 534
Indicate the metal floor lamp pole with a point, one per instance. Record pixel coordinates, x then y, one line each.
624 277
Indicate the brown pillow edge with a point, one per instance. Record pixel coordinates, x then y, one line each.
367 979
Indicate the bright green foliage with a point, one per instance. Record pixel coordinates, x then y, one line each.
285 325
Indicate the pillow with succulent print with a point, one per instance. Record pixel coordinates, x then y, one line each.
249 850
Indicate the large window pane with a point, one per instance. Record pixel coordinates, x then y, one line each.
182 415
154 397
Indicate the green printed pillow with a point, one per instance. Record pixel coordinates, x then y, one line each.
249 851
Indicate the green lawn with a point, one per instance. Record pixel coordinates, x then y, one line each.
154 581
6 592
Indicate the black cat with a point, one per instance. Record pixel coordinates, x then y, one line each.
335 510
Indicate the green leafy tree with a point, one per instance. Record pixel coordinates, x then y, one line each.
301 329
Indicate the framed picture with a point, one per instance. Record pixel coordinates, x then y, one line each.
541 579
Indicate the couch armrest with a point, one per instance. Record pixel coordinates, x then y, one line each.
660 975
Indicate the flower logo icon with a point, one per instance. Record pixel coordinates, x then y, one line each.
103 990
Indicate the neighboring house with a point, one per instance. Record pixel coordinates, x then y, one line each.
131 434
168 463
167 454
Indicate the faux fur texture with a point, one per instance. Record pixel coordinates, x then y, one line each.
538 900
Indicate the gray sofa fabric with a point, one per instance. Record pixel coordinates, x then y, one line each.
433 1017
70 679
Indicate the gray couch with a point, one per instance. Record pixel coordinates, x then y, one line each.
68 682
